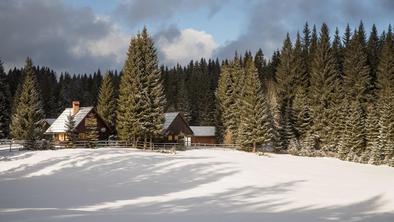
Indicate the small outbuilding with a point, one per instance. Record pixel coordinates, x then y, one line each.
203 134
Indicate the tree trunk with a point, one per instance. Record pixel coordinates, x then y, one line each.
254 147
150 142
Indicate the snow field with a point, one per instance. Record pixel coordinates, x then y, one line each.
195 185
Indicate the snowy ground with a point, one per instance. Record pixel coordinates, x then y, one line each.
197 185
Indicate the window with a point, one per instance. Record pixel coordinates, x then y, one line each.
90 122
82 136
176 138
169 138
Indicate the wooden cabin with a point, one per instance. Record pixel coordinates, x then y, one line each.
84 117
176 129
204 134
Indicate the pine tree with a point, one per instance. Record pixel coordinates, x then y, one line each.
356 70
355 85
154 88
338 52
323 84
285 78
92 135
337 117
106 106
373 55
227 96
347 36
355 140
70 131
129 100
5 111
300 101
372 131
260 64
255 128
182 98
306 46
29 107
141 102
313 48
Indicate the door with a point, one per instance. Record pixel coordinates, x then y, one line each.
188 141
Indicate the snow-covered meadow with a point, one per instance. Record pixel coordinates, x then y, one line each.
196 185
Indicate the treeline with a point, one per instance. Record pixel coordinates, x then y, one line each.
58 91
191 90
332 96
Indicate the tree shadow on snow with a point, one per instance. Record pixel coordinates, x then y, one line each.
132 186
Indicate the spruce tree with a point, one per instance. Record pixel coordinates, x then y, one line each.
154 119
300 101
260 64
306 46
255 127
129 101
347 36
355 140
373 57
372 131
29 107
322 85
337 117
355 69
355 85
338 52
182 98
70 131
313 47
140 112
5 104
106 106
227 94
285 77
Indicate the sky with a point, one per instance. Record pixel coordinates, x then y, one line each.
81 36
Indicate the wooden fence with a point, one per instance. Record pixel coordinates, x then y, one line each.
45 144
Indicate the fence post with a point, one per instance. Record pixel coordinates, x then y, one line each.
10 145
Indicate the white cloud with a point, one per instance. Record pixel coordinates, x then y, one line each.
190 44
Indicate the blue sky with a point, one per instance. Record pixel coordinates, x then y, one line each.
84 35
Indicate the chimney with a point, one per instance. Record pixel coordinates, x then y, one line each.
75 107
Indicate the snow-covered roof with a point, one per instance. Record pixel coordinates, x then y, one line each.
168 118
59 126
50 121
203 130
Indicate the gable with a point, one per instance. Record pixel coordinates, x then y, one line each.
175 124
92 118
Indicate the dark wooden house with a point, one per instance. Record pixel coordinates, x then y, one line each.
86 119
176 129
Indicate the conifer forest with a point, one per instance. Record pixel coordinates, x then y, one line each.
320 94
